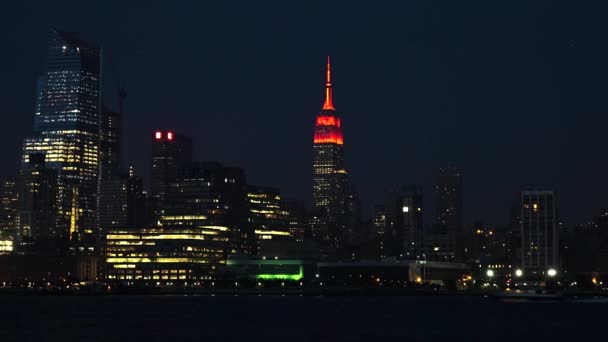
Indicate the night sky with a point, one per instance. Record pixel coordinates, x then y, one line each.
514 92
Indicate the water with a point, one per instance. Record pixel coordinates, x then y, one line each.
251 318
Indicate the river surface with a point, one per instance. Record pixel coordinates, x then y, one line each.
292 318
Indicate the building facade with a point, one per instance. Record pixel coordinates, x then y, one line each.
166 254
538 230
330 178
404 221
169 152
123 202
448 198
210 194
66 131
447 232
38 208
267 216
9 203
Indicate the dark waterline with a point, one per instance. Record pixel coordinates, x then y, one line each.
228 318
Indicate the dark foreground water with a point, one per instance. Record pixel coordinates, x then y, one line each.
250 318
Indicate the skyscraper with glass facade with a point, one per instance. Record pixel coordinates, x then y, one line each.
66 131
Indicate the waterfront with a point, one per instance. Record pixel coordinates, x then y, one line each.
292 318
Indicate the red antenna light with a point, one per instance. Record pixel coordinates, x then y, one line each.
158 135
169 135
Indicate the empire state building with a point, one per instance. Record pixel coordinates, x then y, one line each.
330 178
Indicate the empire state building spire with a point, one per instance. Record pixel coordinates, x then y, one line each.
328 105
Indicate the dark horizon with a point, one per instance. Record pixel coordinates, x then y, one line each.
511 93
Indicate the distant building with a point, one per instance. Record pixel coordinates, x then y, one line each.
352 217
169 151
268 218
166 254
110 132
206 194
40 270
378 233
9 203
110 140
330 178
379 220
448 199
538 230
404 221
439 245
66 130
446 240
37 209
298 225
123 202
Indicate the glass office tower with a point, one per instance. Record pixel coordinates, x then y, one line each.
66 131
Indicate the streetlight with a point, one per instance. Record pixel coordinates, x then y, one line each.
552 272
490 273
519 273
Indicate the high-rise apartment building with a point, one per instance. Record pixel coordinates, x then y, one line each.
538 230
446 241
66 131
448 198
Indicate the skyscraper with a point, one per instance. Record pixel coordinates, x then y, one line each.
37 208
66 130
537 221
446 241
169 152
9 202
109 143
207 194
448 198
378 233
110 178
122 202
330 178
404 221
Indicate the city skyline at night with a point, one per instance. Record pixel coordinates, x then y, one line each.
316 171
454 92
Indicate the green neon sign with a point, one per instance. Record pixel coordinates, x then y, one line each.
294 277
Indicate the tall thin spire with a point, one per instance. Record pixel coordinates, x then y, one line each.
328 94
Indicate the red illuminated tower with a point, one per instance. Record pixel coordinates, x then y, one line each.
330 178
